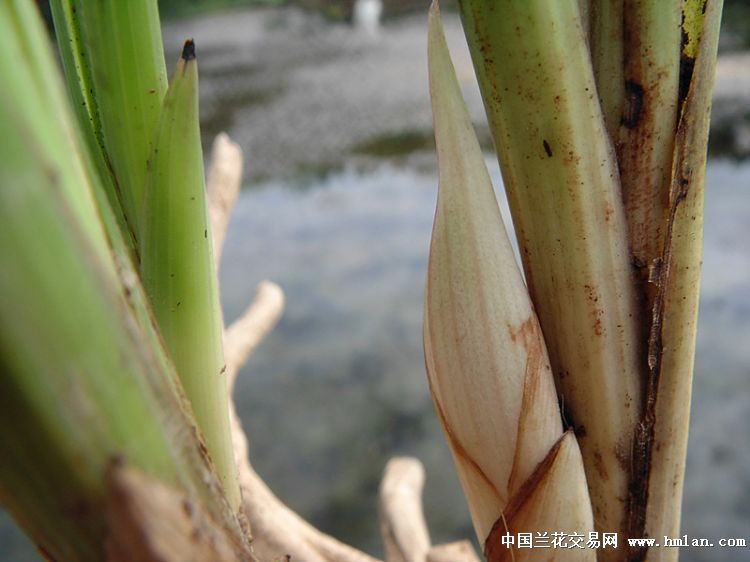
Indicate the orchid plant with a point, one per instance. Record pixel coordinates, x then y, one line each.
564 392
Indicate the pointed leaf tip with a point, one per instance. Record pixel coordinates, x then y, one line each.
451 118
188 50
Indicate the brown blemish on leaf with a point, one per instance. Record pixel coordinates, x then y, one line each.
571 157
52 174
624 457
643 169
633 107
599 466
202 448
44 553
188 50
78 508
531 337
460 451
528 332
608 211
187 507
494 550
596 311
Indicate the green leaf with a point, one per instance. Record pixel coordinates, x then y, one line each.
177 266
123 46
559 169
81 382
77 67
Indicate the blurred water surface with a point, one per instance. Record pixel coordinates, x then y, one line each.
340 387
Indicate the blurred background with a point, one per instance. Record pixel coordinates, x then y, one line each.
331 107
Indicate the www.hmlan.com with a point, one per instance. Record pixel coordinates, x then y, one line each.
685 540
565 540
